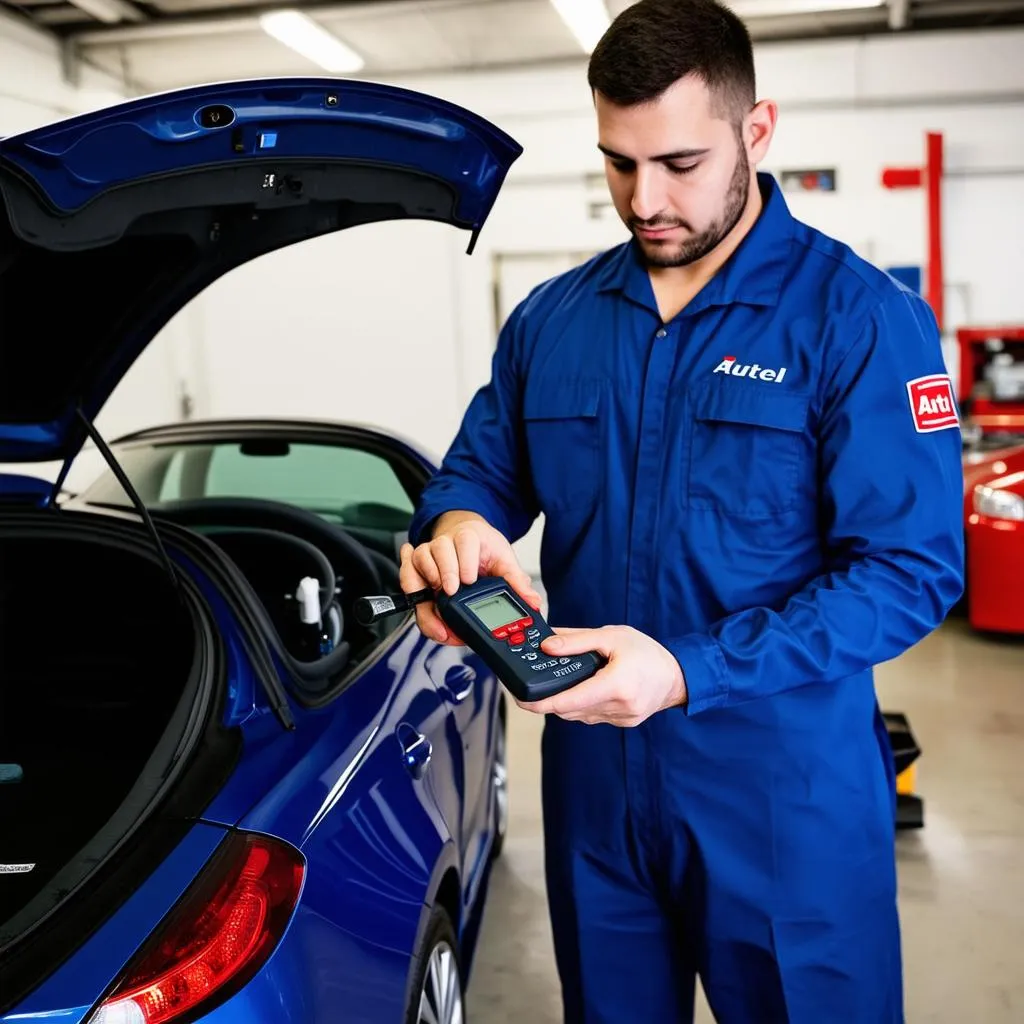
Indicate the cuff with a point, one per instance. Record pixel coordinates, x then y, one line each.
704 671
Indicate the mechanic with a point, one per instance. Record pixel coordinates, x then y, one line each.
751 498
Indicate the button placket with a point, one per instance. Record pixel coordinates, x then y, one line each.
648 476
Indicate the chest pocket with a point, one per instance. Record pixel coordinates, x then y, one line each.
747 450
563 436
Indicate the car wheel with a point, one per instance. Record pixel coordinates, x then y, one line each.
438 996
499 781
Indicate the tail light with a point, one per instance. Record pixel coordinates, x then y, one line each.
215 940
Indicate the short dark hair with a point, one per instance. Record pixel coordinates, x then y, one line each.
654 43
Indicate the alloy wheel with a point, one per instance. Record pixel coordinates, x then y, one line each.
441 998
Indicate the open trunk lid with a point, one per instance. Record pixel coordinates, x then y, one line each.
114 220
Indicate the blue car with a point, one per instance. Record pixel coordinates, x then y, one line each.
222 797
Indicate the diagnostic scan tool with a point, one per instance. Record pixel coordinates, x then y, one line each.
492 620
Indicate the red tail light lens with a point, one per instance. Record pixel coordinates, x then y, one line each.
216 939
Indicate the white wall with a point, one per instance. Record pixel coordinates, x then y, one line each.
33 88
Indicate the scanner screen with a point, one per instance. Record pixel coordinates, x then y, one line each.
495 612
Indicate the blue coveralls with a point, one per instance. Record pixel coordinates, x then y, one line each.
755 485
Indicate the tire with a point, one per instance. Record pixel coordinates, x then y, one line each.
438 992
499 782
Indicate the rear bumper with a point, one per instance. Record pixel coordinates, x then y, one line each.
995 574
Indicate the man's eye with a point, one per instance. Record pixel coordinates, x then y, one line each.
676 169
625 166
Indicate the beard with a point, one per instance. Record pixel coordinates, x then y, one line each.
698 246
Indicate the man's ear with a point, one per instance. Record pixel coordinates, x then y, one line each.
759 129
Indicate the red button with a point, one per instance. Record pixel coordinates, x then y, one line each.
525 623
501 634
517 638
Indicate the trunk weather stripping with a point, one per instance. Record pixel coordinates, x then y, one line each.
123 480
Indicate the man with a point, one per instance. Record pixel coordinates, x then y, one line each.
743 441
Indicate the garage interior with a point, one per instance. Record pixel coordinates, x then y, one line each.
901 133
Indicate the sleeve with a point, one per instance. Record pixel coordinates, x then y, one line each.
891 507
484 469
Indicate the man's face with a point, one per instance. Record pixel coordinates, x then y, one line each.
679 176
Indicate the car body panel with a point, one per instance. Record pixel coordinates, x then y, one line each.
302 982
21 489
995 575
995 546
160 135
467 687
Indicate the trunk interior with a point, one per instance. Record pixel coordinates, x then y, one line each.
96 681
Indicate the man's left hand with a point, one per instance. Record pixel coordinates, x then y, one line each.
640 679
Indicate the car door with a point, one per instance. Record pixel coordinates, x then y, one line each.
466 685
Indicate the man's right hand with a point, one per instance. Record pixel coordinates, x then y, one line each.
464 547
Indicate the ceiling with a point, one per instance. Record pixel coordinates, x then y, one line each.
160 44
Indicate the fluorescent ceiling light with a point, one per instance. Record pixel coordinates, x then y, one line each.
782 8
306 37
588 20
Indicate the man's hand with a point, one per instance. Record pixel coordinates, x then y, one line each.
464 547
640 679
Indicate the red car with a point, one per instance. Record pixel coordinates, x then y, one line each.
990 391
994 525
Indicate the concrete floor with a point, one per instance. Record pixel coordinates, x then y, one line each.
961 877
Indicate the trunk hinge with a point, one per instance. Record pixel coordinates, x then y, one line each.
123 480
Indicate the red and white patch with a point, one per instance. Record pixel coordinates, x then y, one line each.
933 403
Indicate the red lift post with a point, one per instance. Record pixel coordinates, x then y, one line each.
930 176
990 387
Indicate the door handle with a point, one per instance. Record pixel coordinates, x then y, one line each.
417 750
458 681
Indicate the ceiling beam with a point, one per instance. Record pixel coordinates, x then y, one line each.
111 12
978 10
899 14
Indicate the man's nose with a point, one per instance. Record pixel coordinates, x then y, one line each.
648 193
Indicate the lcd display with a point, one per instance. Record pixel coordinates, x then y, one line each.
495 612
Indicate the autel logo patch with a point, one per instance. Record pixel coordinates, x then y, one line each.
932 403
730 366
